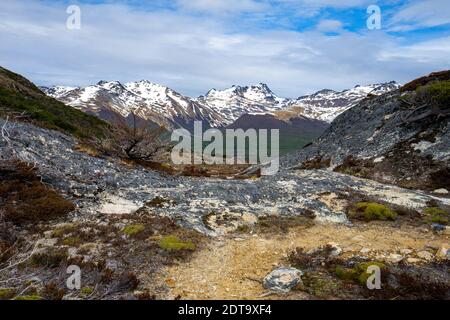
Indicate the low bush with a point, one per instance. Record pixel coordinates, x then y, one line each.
435 94
358 273
174 243
369 211
51 258
436 215
133 229
7 293
24 198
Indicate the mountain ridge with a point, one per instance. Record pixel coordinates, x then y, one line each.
217 108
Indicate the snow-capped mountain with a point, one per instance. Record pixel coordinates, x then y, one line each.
147 100
218 108
327 104
236 101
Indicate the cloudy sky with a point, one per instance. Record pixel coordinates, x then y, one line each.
295 46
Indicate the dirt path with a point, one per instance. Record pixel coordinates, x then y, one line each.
229 268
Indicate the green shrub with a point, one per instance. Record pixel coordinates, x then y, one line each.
372 211
31 297
7 293
319 285
174 243
436 215
358 273
86 291
72 241
435 93
133 229
51 258
63 230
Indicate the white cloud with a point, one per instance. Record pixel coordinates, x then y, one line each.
192 53
421 14
329 26
222 6
427 52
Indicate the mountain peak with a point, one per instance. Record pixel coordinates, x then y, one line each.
221 107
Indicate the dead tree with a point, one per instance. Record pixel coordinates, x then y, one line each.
135 140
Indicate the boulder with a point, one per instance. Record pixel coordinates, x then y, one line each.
425 255
283 279
395 258
334 249
406 251
441 191
443 252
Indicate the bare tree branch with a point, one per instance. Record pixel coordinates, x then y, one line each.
135 140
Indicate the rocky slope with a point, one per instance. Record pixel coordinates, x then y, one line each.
107 187
386 138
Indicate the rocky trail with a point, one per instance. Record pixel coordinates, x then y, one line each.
234 267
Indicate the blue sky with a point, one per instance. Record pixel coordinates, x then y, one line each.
295 46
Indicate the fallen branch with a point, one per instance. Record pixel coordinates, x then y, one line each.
5 133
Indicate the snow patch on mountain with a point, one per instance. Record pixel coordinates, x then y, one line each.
218 108
236 101
327 104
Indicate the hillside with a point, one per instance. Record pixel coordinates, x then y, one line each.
402 137
20 97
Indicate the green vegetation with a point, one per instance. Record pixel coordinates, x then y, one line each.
63 230
18 95
51 258
133 229
436 93
72 241
86 291
372 211
320 285
358 273
174 243
31 297
436 215
7 293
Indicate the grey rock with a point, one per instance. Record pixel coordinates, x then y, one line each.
93 183
441 191
283 279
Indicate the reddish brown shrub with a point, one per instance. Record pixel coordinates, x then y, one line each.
24 198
